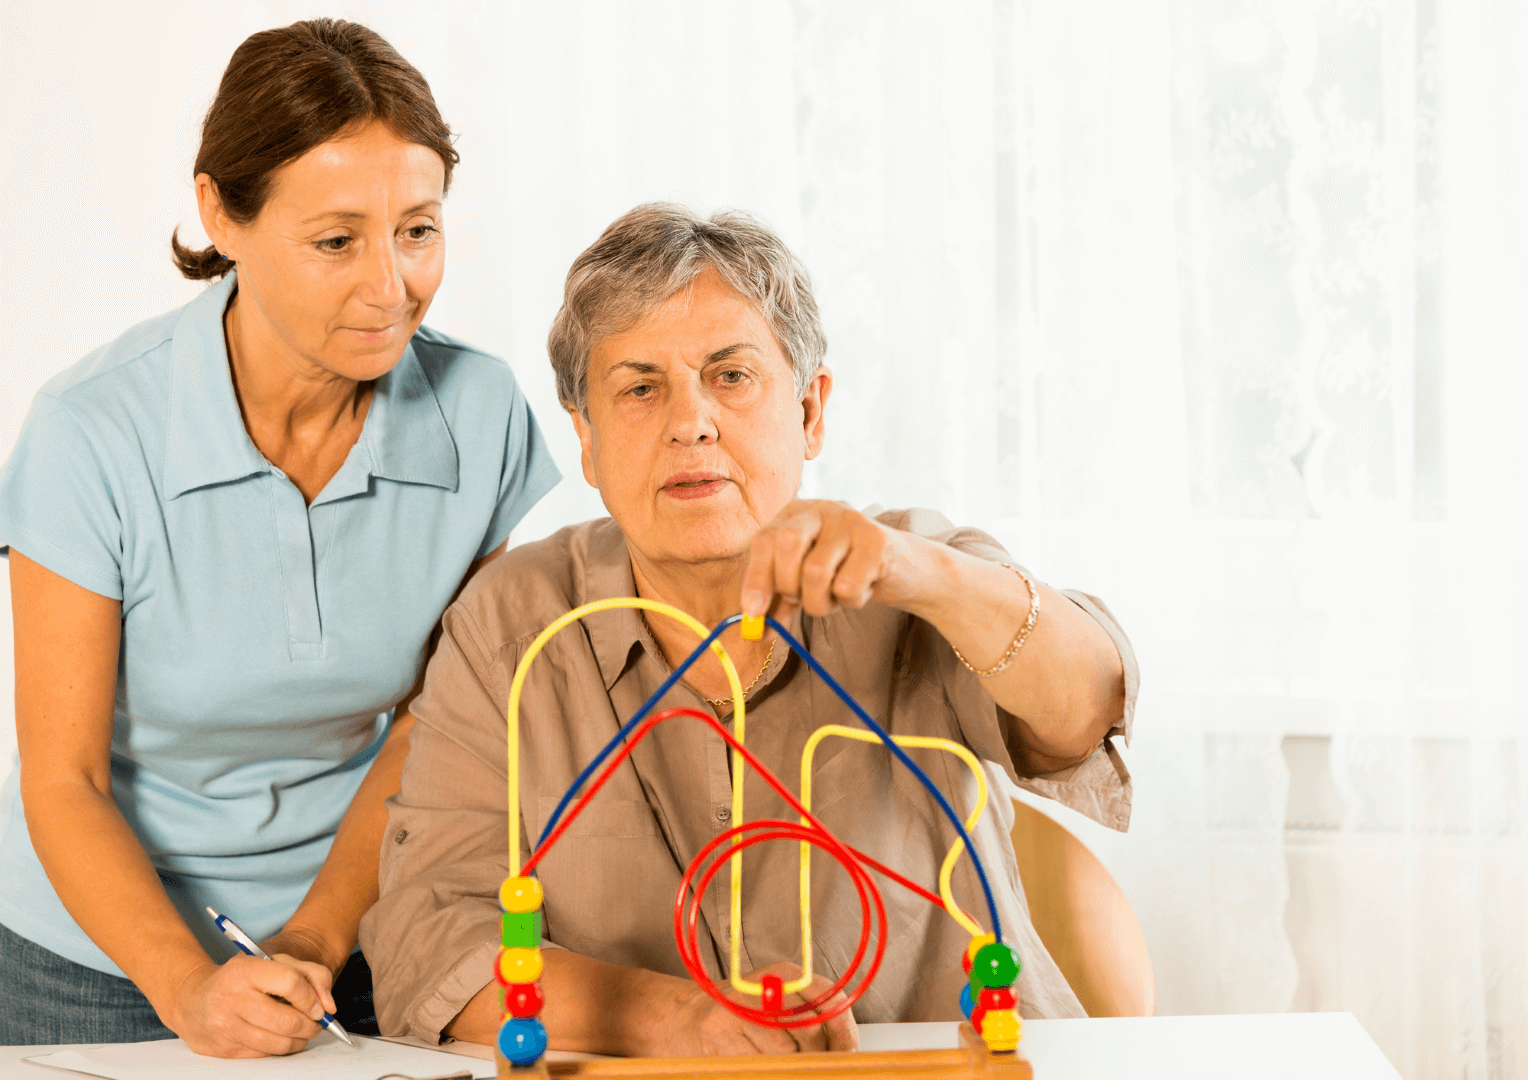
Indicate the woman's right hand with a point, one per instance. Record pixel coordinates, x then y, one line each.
697 1025
230 1010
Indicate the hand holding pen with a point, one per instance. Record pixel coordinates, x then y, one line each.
230 930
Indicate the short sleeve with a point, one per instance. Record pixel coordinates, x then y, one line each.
56 501
528 473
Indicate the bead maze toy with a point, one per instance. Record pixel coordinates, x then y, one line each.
989 999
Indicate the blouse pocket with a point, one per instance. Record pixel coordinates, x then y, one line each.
610 885
610 819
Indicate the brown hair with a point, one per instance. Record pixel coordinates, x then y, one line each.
655 250
286 91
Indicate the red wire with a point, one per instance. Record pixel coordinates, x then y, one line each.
813 833
688 938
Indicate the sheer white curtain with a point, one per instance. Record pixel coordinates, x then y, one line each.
1211 307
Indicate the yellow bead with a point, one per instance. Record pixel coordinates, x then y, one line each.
752 628
520 894
519 965
1001 1029
975 946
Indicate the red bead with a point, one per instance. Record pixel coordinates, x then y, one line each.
998 997
965 962
976 1017
523 1000
773 998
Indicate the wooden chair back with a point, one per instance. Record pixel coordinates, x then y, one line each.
1083 918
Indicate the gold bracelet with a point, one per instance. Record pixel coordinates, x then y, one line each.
1019 639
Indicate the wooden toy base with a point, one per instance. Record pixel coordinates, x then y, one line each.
971 1061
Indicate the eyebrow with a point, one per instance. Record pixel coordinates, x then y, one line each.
356 215
647 367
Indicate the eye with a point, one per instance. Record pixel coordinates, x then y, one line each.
641 390
732 377
420 232
333 243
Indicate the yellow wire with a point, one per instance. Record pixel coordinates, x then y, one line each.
945 870
738 982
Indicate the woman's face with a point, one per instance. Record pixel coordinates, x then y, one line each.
695 437
343 260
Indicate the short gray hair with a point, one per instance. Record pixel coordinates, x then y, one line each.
654 251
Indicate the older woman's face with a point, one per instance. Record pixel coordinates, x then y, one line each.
695 437
347 253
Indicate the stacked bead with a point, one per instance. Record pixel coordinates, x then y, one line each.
522 1037
990 999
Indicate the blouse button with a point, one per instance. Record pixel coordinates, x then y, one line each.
402 835
723 813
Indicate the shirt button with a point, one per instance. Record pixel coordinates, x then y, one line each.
402 835
723 813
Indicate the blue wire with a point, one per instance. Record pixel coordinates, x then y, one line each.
641 714
821 672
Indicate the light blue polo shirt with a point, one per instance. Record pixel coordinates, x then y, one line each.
264 641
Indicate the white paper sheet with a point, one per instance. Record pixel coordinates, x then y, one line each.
326 1058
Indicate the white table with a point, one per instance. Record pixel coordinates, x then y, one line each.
1283 1046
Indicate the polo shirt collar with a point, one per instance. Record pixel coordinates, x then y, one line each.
406 434
405 437
206 442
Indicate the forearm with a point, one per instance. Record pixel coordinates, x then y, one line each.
1066 684
100 871
325 925
591 1006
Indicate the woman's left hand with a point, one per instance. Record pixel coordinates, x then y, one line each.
819 555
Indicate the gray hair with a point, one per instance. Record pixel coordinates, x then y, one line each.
652 252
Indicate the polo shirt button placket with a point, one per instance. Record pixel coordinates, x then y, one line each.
299 579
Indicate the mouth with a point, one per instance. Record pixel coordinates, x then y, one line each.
694 485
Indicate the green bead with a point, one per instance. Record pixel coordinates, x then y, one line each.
522 929
977 986
996 964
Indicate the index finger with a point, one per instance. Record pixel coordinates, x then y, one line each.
283 979
319 976
758 577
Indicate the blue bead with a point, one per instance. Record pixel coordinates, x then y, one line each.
965 1000
522 1041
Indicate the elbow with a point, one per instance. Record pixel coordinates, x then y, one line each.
1082 723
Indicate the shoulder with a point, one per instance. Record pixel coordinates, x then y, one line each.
519 594
461 373
140 356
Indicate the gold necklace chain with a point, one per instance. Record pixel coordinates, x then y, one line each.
720 703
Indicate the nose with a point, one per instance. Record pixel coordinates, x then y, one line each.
382 285
691 414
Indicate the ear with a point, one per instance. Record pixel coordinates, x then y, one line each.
813 404
215 222
586 445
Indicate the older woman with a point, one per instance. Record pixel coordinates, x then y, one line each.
688 354
231 534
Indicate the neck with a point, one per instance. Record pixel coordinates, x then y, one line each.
709 592
282 394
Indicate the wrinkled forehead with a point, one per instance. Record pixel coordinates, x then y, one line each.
703 317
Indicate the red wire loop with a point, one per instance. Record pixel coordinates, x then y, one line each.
711 858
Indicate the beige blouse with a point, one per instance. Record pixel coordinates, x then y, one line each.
610 882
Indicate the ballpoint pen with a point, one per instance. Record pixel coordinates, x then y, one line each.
230 930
